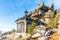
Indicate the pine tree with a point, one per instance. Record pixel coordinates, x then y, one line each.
31 28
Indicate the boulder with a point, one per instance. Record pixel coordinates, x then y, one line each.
36 35
18 36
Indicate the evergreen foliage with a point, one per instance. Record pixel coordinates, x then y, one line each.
30 30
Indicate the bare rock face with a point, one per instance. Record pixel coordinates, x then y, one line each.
51 6
58 10
40 5
36 35
39 29
18 36
41 33
38 32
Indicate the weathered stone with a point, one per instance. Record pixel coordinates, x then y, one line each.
18 36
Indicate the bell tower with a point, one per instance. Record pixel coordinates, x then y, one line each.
26 13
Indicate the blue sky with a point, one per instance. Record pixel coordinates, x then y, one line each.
11 10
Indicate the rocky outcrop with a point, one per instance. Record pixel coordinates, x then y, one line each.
18 36
41 33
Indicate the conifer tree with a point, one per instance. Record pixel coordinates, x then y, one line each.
31 28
